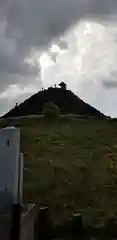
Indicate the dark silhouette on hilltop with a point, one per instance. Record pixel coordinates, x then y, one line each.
63 85
66 100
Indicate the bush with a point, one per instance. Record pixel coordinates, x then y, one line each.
51 111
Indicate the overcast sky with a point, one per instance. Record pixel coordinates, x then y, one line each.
45 41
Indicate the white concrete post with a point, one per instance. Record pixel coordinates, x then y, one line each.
9 162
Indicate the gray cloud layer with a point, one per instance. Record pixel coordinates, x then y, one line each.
110 84
26 24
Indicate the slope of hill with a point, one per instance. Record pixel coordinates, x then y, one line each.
66 100
69 164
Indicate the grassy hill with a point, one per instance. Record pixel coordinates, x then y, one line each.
69 163
67 102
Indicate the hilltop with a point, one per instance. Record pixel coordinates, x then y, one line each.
65 99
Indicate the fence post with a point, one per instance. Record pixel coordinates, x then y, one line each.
77 227
43 224
15 224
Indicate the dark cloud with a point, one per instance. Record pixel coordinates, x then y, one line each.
63 45
25 24
15 66
38 21
110 84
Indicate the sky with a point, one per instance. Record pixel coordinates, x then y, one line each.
44 42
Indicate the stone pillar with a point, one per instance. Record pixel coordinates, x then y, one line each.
9 161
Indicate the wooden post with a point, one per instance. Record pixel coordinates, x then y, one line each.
43 224
77 227
15 227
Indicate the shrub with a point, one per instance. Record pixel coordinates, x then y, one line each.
51 111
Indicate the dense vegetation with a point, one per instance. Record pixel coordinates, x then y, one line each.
51 111
70 163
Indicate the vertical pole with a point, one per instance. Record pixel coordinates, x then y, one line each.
15 229
16 209
20 187
18 182
77 227
43 225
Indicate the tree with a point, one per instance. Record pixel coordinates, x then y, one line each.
51 111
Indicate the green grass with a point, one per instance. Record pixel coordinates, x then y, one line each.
69 164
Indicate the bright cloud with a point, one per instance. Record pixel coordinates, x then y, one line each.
46 41
88 61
